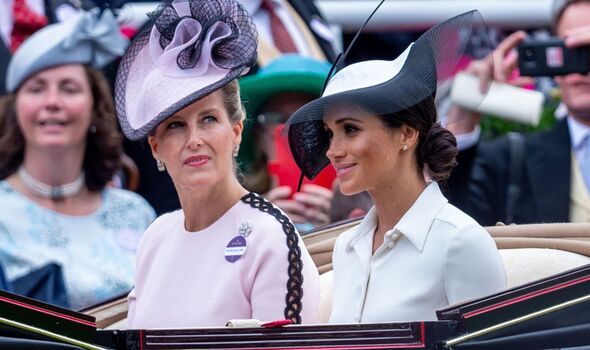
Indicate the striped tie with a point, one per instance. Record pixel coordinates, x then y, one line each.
280 35
584 152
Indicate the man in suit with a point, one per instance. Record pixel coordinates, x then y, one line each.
318 26
48 11
552 182
305 30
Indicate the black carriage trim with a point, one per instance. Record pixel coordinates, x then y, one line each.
295 282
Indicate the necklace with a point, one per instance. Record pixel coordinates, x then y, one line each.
51 192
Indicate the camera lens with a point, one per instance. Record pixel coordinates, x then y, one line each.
529 54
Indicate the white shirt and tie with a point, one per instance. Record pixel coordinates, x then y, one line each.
434 257
292 28
580 138
262 20
579 135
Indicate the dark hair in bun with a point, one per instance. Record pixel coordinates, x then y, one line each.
437 147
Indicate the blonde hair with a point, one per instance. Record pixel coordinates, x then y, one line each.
233 102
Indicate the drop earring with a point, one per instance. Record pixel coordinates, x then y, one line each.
236 151
161 166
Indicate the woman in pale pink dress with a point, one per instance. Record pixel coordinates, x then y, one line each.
227 254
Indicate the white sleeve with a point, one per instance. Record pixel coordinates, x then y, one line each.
337 313
473 266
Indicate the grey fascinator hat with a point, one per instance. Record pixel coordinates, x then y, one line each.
194 48
91 38
383 87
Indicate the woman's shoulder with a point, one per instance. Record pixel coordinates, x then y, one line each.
7 191
265 217
124 209
123 195
461 230
166 222
14 203
170 218
161 227
457 218
260 209
128 201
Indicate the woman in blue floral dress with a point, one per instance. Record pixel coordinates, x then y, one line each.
59 149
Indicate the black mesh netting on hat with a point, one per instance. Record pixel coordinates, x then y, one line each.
432 60
234 53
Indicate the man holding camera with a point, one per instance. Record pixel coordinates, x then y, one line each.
543 176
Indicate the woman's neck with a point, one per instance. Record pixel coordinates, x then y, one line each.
392 200
54 168
203 207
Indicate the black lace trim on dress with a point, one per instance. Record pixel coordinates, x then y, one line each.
295 282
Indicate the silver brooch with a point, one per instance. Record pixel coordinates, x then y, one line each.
245 229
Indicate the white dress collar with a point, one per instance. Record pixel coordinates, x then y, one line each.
414 224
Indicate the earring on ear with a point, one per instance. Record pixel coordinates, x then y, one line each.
405 147
92 129
161 166
236 150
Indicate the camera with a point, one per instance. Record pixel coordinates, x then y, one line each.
550 57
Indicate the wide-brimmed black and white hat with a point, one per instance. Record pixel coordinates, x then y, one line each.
382 87
194 48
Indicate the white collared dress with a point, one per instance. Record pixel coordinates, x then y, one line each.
434 257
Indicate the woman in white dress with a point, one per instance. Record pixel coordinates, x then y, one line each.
375 123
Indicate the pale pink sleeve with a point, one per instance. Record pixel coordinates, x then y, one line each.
131 308
132 297
269 288
311 289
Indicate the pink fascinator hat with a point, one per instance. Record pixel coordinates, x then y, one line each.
194 48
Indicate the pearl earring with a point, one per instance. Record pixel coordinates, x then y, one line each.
405 147
161 166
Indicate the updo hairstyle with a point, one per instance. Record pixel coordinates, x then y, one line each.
437 147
